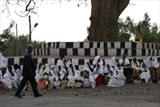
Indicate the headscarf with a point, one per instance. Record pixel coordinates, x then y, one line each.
3 61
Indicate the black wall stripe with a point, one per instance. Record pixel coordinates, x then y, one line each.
62 51
10 61
147 45
90 44
149 52
126 51
153 52
81 62
133 52
134 45
105 45
122 45
143 52
49 44
105 52
57 44
98 44
87 52
112 44
48 52
75 51
81 44
38 52
44 60
69 44
118 53
21 61
95 51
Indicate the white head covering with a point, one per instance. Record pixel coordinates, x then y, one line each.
3 61
96 59
112 61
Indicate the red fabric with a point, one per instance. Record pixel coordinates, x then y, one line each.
42 84
100 80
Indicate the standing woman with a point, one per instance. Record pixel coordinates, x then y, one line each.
28 74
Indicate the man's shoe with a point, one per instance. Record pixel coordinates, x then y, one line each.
38 95
18 96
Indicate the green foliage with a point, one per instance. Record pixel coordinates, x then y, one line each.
10 45
149 32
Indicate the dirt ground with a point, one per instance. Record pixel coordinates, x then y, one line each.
131 95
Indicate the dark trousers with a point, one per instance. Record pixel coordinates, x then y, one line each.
128 74
23 82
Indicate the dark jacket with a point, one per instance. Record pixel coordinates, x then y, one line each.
28 66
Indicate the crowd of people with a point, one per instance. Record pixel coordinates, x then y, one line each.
115 73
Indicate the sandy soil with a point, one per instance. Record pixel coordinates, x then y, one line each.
131 95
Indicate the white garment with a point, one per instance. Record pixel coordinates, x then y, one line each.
156 64
71 81
7 80
148 62
145 74
95 61
118 78
47 69
98 71
1 75
3 61
86 67
134 65
125 62
54 80
112 61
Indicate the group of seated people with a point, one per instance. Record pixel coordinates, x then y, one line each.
115 73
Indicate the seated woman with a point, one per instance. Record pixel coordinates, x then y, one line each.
124 61
7 79
135 66
156 64
70 76
145 73
98 74
117 79
149 62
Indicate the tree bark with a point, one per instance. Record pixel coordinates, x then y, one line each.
104 19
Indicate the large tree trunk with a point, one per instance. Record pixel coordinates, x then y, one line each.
104 19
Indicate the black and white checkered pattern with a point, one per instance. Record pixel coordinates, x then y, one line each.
78 62
108 45
106 49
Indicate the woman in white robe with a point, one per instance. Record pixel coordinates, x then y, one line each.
88 76
135 66
70 77
7 79
151 64
145 73
54 78
38 72
118 78
17 76
3 61
97 60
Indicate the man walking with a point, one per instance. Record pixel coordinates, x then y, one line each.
28 74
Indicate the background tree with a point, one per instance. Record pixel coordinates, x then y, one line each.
149 32
11 45
104 17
